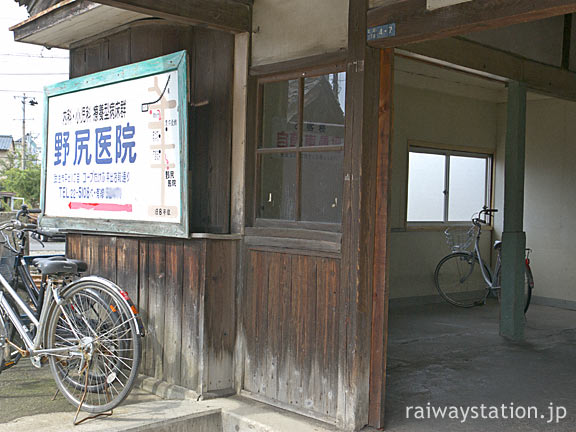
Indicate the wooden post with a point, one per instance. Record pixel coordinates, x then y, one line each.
360 157
380 290
239 106
513 237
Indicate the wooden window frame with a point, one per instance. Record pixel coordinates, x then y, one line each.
447 151
259 150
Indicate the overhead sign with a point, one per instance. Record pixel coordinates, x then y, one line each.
115 154
381 32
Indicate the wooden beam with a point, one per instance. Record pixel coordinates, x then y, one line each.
313 63
359 192
380 290
57 14
229 16
414 23
546 79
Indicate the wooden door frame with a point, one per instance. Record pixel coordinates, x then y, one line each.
380 291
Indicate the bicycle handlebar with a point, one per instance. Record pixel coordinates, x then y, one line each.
44 233
24 211
485 211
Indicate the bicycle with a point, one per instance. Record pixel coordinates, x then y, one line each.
463 278
85 328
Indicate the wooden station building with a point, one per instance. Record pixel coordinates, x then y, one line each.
298 143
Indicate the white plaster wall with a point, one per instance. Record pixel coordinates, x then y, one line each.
550 194
286 30
435 117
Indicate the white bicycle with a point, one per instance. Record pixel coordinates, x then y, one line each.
463 278
86 328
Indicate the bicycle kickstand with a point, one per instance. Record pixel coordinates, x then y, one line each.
76 422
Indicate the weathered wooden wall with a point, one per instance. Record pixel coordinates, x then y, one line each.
291 326
211 55
185 291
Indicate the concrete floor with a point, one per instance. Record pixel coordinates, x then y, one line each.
446 356
438 355
27 391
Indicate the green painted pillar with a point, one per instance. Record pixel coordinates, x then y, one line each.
513 237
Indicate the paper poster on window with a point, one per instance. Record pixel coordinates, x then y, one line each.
114 152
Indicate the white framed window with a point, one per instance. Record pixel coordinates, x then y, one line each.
447 186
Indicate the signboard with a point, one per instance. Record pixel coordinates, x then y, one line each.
115 150
381 32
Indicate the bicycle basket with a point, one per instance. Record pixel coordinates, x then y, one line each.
460 239
7 264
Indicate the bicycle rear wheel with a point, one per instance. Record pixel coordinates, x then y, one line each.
528 287
459 280
96 325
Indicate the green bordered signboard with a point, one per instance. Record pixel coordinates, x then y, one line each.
116 150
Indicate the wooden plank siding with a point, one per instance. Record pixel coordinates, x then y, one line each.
185 292
290 323
220 317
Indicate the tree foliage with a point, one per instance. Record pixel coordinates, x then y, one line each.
24 183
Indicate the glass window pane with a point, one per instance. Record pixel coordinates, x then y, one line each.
467 192
324 107
280 114
278 186
322 180
426 173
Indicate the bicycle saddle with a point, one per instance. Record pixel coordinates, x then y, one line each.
59 265
497 244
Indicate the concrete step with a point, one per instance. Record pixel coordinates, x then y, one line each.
234 414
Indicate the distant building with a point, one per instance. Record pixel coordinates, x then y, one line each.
6 146
6 200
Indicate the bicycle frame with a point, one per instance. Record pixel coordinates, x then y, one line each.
489 275
33 346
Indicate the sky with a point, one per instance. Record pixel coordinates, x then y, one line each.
25 69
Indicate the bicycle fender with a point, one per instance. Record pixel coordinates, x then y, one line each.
123 294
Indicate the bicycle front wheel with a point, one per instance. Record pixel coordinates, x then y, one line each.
11 355
459 280
104 347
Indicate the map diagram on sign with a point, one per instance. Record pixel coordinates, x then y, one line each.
164 129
